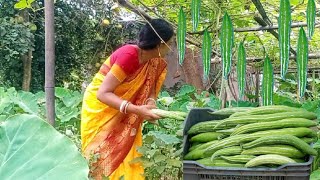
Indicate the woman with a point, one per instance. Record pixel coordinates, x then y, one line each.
119 98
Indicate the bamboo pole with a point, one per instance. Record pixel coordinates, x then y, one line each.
49 61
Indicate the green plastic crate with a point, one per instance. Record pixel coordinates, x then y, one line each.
195 171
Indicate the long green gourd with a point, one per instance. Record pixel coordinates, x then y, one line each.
302 61
264 118
311 17
282 139
284 123
181 35
241 70
269 159
284 150
242 138
284 30
226 43
206 54
195 12
267 83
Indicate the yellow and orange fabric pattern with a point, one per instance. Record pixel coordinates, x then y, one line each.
107 134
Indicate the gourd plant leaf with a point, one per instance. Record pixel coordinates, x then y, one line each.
267 83
284 30
181 35
311 17
32 149
195 12
241 69
206 54
302 61
226 43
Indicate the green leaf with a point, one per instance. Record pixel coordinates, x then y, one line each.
195 12
5 101
244 104
311 17
166 138
61 92
226 43
181 35
22 4
160 169
206 54
315 175
66 114
30 148
214 102
311 106
174 162
185 90
160 158
3 117
302 61
27 102
267 83
284 30
143 150
284 100
164 94
241 70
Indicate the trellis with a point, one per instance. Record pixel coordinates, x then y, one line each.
265 25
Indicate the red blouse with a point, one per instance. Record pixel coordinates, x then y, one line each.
123 62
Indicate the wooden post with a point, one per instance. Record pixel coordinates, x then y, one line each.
49 60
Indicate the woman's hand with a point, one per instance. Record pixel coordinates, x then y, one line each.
145 112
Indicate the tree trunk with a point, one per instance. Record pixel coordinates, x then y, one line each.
26 58
49 60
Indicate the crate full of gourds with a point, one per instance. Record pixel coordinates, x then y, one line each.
267 136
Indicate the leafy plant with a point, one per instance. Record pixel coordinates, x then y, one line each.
161 156
33 149
68 104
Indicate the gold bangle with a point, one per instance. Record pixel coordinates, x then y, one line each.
146 101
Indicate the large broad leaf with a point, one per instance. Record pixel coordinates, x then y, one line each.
226 44
69 98
302 61
5 102
66 114
185 90
27 102
284 30
32 149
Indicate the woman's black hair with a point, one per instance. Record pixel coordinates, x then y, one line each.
148 39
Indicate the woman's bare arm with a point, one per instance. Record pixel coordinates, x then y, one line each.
106 95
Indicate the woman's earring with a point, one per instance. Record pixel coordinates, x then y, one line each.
159 53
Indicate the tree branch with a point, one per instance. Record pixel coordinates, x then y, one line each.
257 59
261 28
271 31
262 12
134 9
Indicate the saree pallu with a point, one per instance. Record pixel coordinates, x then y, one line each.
112 137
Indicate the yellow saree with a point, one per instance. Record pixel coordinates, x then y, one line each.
110 135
